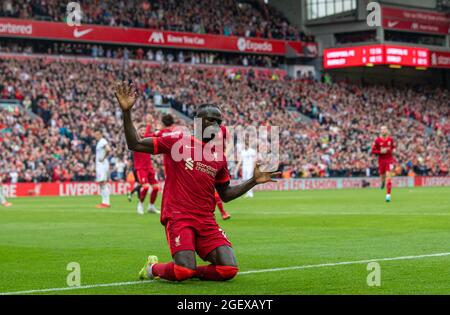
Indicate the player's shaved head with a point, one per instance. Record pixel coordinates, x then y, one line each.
206 109
384 130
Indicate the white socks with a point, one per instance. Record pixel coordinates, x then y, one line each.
140 208
2 198
104 192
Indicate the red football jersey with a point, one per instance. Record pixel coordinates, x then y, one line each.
143 161
380 143
162 133
190 180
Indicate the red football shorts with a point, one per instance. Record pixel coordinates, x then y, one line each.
146 177
199 235
385 166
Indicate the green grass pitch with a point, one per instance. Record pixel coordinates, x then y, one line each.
40 236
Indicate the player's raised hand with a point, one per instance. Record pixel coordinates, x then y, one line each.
126 95
264 177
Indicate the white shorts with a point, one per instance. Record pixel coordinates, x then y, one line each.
102 173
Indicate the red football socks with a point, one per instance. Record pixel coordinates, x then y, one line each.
172 272
221 209
215 273
153 195
388 186
219 204
143 193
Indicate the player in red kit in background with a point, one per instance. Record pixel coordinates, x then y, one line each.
384 147
225 215
188 197
145 175
224 137
167 127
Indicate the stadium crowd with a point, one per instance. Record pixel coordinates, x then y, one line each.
127 53
73 99
225 17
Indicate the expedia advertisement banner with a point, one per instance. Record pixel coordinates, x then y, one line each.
138 36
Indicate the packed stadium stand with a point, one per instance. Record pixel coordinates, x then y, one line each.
225 17
74 98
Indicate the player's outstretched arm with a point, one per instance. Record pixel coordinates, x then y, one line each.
228 193
126 95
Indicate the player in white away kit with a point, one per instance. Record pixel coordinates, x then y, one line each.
248 161
102 168
3 201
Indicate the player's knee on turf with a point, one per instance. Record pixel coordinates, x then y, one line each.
227 272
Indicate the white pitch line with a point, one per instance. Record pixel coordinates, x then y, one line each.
298 213
118 284
114 284
344 263
350 213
